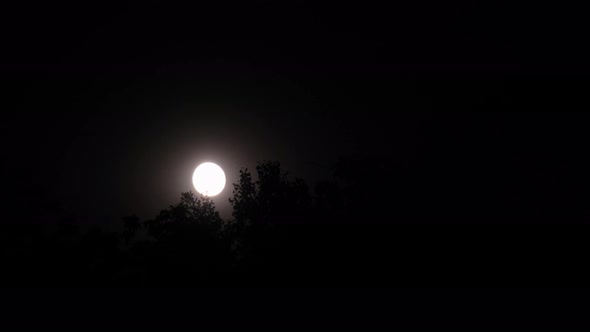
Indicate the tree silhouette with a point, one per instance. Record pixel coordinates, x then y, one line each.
280 234
267 217
191 214
186 244
132 225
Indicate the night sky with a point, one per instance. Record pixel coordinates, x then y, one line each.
108 109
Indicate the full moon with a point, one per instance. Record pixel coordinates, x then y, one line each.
209 179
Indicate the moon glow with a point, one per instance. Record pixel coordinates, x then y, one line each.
209 179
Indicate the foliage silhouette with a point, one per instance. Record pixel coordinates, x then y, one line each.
185 245
265 215
376 222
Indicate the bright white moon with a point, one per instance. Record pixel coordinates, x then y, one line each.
209 179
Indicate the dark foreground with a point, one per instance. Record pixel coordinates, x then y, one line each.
455 274
296 306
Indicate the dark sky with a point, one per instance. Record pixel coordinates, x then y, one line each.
109 108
